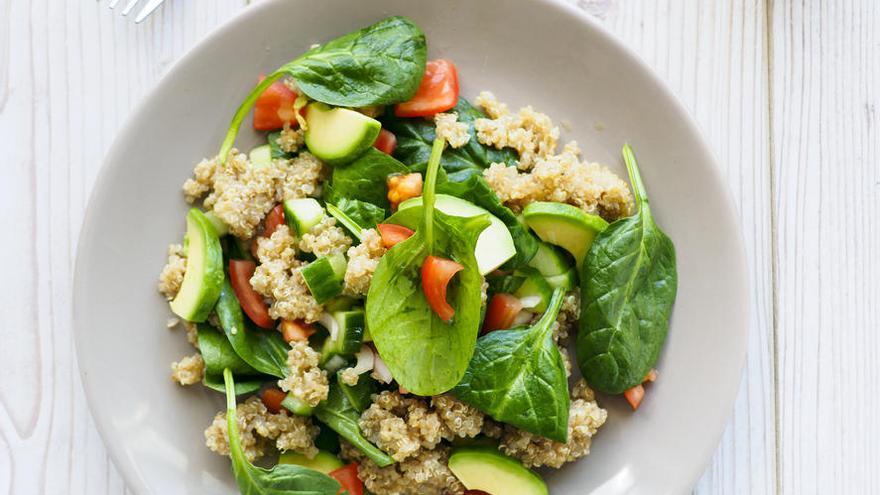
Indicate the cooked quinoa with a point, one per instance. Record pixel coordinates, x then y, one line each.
362 262
532 134
189 370
325 238
258 428
305 379
425 473
291 140
173 272
449 128
584 419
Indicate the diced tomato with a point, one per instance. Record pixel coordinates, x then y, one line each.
272 398
240 273
274 108
635 395
273 220
501 312
347 476
436 274
386 142
296 330
403 187
651 376
392 234
437 93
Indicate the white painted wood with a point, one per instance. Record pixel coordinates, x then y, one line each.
785 91
826 132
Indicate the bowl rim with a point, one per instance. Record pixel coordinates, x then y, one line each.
131 475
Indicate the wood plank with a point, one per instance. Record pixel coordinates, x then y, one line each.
713 56
827 188
69 74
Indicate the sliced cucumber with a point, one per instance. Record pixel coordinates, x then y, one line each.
534 292
564 281
303 214
325 276
323 462
261 156
296 406
347 337
549 260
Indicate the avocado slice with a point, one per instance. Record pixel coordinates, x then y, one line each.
495 244
486 469
204 270
565 226
338 135
323 462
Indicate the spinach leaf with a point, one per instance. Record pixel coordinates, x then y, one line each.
380 64
219 355
264 350
415 135
339 414
518 377
471 186
364 179
283 479
356 215
277 152
360 395
425 354
629 284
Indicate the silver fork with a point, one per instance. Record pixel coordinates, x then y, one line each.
145 11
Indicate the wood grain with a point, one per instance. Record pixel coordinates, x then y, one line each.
826 198
785 91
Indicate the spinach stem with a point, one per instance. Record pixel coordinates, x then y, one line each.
428 191
231 420
629 157
546 321
243 110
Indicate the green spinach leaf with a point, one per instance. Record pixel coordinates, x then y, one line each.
380 64
356 215
219 355
264 350
277 152
283 479
415 135
425 354
364 179
339 414
628 287
360 395
517 376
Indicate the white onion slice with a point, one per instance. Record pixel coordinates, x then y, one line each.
522 318
530 301
380 369
330 324
364 360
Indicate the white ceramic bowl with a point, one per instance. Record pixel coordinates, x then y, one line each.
540 52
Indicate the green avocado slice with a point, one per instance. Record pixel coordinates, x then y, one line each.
486 469
204 270
565 226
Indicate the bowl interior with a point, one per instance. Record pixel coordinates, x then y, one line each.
539 53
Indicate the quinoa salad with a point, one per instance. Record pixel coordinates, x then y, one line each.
406 292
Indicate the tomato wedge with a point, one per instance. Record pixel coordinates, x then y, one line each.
392 234
386 142
347 476
635 395
437 93
273 220
240 273
296 330
501 312
272 398
274 108
436 274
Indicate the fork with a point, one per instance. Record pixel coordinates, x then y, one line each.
147 9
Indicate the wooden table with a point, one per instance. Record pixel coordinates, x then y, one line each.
786 92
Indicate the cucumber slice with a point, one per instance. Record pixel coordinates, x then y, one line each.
296 406
564 281
534 292
549 261
303 214
325 276
348 337
261 156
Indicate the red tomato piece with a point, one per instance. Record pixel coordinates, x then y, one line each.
501 312
240 273
296 330
347 476
273 220
437 93
392 234
635 395
272 398
436 274
386 142
274 108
